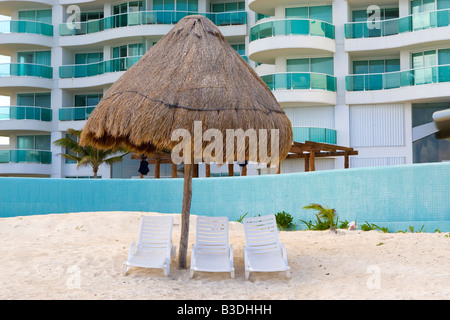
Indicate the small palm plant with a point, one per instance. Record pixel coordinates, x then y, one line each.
88 155
327 214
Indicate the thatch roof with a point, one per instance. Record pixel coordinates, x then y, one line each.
191 74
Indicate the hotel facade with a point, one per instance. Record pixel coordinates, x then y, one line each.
366 75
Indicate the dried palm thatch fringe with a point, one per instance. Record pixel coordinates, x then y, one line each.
191 74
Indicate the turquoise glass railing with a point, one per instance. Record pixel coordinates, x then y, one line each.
25 113
149 17
322 135
299 81
75 114
20 26
419 21
287 27
25 156
97 68
391 80
25 69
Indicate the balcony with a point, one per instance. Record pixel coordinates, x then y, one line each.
26 156
400 32
292 27
300 81
392 80
275 38
97 68
30 27
420 21
75 114
321 135
26 69
302 87
150 18
26 113
420 84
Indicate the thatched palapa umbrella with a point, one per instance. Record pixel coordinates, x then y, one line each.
191 74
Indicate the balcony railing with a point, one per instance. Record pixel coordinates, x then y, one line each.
25 113
288 27
419 21
392 80
25 69
20 26
322 135
75 114
97 68
25 156
299 81
148 18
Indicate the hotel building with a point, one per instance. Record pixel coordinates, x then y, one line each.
347 72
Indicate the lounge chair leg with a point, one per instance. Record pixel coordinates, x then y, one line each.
125 269
288 274
191 274
232 274
247 274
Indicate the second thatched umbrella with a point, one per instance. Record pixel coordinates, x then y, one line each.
191 74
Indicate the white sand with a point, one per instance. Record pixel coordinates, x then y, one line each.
80 256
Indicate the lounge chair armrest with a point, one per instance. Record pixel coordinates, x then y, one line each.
193 256
283 253
231 255
132 247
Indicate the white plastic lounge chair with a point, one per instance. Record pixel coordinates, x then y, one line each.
154 248
263 251
211 251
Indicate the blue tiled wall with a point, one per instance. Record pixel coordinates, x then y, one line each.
394 196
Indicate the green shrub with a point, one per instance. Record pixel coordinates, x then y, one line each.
284 220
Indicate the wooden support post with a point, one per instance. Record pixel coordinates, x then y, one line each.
312 160
174 170
346 160
268 168
306 162
244 170
157 168
279 169
195 173
231 169
208 170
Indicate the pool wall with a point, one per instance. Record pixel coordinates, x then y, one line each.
396 197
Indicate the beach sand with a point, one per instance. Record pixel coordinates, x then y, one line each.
80 256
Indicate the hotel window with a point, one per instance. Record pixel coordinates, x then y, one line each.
38 142
88 58
35 57
176 5
376 66
431 66
322 13
229 6
124 13
34 100
315 65
36 15
89 16
126 55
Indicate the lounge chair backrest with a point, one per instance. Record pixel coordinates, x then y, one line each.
155 233
261 234
212 235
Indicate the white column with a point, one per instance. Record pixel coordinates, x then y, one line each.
341 70
57 159
403 8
